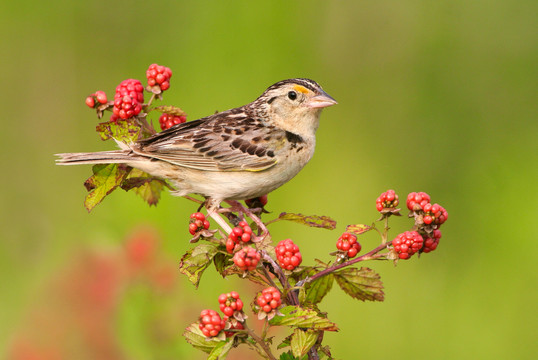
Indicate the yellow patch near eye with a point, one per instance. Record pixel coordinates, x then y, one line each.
300 89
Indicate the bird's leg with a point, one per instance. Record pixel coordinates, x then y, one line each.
237 207
213 211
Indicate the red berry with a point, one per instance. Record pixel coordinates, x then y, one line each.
260 201
435 214
230 303
100 96
269 299
211 323
247 258
128 99
288 254
407 243
167 120
240 233
388 199
430 243
90 101
232 324
197 223
159 75
348 243
415 201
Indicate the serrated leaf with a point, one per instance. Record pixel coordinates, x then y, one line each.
317 289
285 343
196 260
126 131
197 339
172 110
287 356
324 222
358 229
221 261
363 284
302 341
220 351
149 188
105 179
301 317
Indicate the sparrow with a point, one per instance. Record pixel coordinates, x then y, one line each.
237 154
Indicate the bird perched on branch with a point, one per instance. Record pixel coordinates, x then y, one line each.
236 154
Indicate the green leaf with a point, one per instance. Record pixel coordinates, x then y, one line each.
358 229
317 289
363 284
196 260
144 185
197 339
126 131
220 351
287 356
222 261
324 222
172 110
301 317
302 341
105 179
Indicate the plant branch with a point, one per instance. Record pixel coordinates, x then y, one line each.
372 255
259 341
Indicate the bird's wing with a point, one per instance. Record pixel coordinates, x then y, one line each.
221 142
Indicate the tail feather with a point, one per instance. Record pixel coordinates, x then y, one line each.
103 157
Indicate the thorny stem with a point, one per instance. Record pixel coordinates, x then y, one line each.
259 341
372 255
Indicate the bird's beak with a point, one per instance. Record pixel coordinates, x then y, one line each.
321 101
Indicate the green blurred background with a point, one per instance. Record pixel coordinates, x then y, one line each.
435 96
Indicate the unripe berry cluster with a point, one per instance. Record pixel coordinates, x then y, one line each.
407 243
240 233
159 75
97 98
198 222
230 303
232 324
435 214
128 99
288 254
388 199
247 258
348 243
430 243
211 323
260 201
269 300
167 120
417 200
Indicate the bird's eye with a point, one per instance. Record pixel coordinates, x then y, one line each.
292 95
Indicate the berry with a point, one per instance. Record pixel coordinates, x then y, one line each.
269 300
240 233
407 243
288 254
415 201
230 303
98 96
434 214
211 323
128 99
388 199
260 201
430 243
232 325
348 243
168 120
197 223
159 75
247 258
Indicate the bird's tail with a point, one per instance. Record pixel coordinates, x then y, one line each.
102 157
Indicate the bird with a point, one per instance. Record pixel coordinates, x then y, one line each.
237 154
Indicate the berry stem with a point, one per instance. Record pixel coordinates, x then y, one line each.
372 255
385 230
259 341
